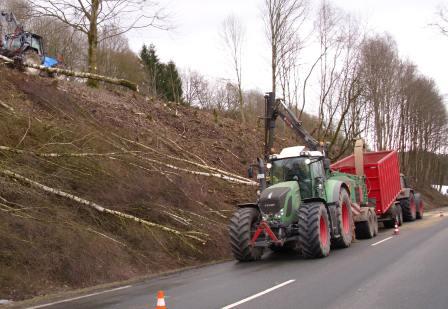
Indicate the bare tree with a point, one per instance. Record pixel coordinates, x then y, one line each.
282 19
232 35
93 17
442 20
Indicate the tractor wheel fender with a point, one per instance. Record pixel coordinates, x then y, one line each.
248 205
333 188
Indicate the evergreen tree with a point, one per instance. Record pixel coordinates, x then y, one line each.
152 66
171 84
164 79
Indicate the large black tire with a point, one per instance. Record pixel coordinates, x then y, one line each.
314 230
367 229
396 217
409 208
242 227
419 205
400 216
345 221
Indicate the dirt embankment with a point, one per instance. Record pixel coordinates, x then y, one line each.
159 162
121 151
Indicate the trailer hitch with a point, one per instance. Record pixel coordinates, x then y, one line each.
264 227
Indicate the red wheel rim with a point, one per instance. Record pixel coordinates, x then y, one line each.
323 231
345 218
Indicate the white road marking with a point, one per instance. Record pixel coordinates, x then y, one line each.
385 239
79 297
259 294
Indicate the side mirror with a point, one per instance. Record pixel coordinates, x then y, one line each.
250 172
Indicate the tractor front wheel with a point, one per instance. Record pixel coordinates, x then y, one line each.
242 228
314 230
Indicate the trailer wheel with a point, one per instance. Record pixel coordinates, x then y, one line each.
314 230
420 206
395 213
366 229
242 227
399 216
345 221
409 208
375 227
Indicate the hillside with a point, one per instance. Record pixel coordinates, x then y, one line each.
121 151
66 149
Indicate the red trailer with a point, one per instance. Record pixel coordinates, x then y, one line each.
382 173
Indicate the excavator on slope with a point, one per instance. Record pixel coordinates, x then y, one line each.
22 46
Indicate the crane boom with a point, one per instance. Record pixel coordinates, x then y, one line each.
8 23
273 109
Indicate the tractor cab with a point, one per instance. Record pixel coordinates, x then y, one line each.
298 164
20 43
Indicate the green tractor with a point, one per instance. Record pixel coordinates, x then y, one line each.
302 205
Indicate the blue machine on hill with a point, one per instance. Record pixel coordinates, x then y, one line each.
22 46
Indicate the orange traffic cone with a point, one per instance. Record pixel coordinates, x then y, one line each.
396 230
160 300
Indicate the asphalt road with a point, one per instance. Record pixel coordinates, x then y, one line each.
409 271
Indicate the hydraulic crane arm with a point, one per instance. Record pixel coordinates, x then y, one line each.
9 23
275 108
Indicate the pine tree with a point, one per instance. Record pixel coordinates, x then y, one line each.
152 66
164 80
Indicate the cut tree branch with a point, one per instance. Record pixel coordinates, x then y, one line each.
110 80
97 207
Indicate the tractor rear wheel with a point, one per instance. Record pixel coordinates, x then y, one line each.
409 208
314 230
345 221
242 227
31 57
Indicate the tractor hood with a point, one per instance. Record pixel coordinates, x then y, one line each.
283 196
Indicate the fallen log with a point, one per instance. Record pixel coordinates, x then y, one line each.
101 209
110 80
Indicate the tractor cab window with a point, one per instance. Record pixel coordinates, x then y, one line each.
14 43
291 169
36 44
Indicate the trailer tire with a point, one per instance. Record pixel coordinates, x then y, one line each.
375 218
400 216
314 230
409 208
366 229
242 227
419 204
344 221
395 217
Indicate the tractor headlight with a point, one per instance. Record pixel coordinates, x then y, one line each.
279 214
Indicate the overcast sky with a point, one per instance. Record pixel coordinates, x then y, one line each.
195 42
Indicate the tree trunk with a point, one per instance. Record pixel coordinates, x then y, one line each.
92 37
